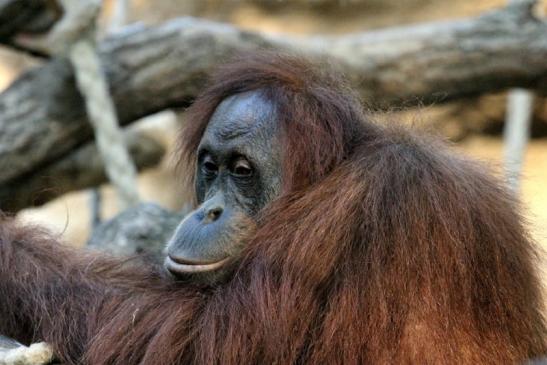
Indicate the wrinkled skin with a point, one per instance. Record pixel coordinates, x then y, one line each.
238 172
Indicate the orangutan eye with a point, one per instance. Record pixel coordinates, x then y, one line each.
242 168
209 167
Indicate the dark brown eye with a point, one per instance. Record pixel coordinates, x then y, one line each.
242 168
209 166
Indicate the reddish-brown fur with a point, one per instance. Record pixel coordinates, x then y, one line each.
384 248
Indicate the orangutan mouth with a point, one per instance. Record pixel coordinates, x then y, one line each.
177 265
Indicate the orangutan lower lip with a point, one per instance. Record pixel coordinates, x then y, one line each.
182 266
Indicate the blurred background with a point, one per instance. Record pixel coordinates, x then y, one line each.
473 125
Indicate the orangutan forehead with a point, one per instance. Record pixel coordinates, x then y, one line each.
243 114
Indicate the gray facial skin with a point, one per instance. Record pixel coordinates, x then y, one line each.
238 172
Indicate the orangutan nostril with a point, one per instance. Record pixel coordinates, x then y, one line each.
214 213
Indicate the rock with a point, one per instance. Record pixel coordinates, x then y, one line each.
143 229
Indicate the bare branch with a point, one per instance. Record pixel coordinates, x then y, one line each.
79 170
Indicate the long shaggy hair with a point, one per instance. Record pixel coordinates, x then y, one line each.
320 117
384 248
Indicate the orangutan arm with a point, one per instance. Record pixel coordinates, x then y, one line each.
50 292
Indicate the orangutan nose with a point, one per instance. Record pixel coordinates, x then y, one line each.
212 209
214 213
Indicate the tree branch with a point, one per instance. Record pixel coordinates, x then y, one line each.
153 68
79 170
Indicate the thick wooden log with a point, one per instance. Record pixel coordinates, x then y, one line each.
79 170
153 68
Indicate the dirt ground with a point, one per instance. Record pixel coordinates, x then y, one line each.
69 215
